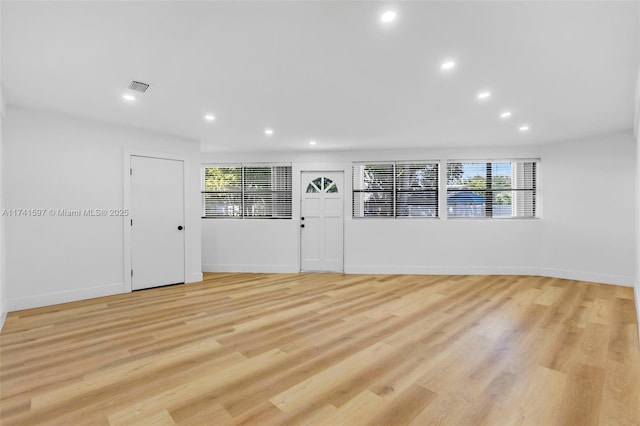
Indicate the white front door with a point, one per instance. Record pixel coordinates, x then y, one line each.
321 222
157 222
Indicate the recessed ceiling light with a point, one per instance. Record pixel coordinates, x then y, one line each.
505 114
447 65
524 128
210 117
483 96
268 132
388 16
312 142
128 97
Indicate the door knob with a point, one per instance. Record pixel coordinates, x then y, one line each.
180 228
302 226
302 218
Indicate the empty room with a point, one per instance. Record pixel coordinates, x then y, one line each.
319 213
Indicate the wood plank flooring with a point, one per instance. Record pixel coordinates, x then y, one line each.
329 349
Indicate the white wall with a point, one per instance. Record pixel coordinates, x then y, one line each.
3 292
588 190
417 246
3 307
637 192
59 162
258 245
573 240
422 246
637 227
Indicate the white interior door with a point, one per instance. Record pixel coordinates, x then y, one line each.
321 221
157 222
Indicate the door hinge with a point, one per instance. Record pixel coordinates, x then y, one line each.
131 222
130 171
132 272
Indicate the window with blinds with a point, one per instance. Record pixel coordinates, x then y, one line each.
222 191
500 189
395 189
246 191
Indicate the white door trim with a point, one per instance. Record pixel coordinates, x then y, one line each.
320 171
128 153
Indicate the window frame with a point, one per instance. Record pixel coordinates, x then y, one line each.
395 190
489 191
245 192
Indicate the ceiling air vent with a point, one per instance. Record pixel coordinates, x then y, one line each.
138 86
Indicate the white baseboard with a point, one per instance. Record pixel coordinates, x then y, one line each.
47 299
622 280
267 269
195 278
439 270
3 315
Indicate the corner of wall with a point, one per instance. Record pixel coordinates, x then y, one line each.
637 191
3 296
3 303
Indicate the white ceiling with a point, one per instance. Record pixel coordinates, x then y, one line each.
329 70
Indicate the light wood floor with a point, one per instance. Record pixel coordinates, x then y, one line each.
329 349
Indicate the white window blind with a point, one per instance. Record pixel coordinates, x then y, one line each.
393 189
373 190
499 189
247 191
267 192
417 190
222 191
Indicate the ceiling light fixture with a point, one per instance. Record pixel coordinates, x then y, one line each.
388 16
505 114
447 65
484 96
129 98
312 142
524 128
268 132
210 117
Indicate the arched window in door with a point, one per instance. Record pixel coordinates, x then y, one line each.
322 184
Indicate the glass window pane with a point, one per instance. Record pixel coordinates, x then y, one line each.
524 175
257 178
223 179
378 204
416 176
511 194
373 177
330 186
325 183
501 175
502 204
523 203
417 204
258 204
267 191
466 203
222 204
